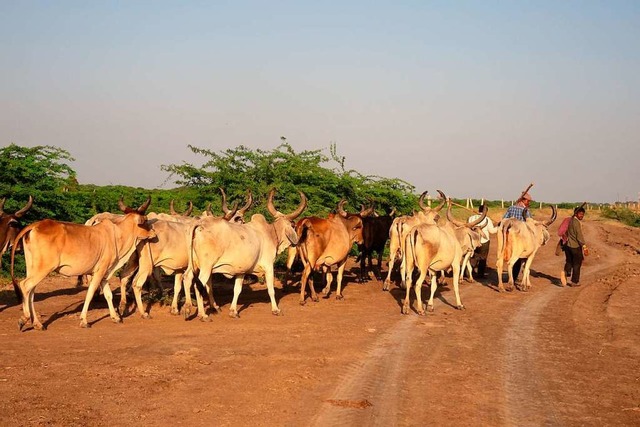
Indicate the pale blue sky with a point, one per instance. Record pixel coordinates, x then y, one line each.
477 98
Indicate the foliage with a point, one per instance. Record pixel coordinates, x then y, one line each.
309 171
624 215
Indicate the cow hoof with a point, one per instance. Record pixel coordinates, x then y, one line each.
430 308
122 311
116 320
315 299
501 289
83 324
276 312
205 319
302 302
39 327
405 309
461 307
175 311
21 324
339 297
217 309
421 312
145 316
233 314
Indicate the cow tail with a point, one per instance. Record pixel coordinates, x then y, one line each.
506 253
192 234
16 243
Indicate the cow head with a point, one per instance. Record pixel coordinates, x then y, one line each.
353 223
457 223
429 215
143 230
542 226
10 224
284 223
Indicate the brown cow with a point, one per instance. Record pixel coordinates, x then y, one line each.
324 242
76 249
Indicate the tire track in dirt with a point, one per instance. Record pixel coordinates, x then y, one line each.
367 394
527 402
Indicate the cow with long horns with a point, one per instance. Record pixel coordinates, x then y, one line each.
521 239
235 250
77 249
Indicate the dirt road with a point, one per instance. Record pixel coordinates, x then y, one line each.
552 356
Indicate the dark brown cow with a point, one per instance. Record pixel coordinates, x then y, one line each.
325 242
10 224
375 233
9 229
76 249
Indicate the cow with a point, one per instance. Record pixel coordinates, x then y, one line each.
10 224
325 242
168 252
520 239
76 249
375 233
468 236
9 227
398 232
432 248
234 250
292 255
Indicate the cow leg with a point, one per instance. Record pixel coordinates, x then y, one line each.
526 284
212 302
417 289
28 289
499 267
339 279
329 280
407 298
138 282
237 288
511 283
363 265
108 295
125 278
392 258
96 280
268 277
456 283
187 281
303 284
434 286
466 266
379 266
203 276
177 285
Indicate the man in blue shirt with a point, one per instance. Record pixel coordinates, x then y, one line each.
517 211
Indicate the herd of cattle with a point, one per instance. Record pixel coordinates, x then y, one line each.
144 245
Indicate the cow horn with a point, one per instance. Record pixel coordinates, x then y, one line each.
171 209
231 213
554 215
301 207
247 205
451 218
479 220
365 212
340 208
393 212
441 205
2 205
225 208
121 204
143 207
189 209
208 209
23 210
421 201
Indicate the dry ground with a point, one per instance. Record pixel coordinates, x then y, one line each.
552 356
